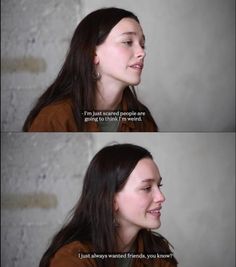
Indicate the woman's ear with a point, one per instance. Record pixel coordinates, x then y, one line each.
115 205
96 59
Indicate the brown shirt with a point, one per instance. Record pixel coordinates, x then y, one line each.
70 255
58 117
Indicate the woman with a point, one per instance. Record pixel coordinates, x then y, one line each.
104 62
119 204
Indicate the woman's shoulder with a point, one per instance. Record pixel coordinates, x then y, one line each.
73 254
59 107
55 117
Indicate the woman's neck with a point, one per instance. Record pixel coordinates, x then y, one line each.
109 96
126 239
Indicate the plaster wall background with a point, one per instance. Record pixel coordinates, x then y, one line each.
188 81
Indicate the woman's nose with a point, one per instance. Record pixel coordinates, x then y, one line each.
158 196
140 53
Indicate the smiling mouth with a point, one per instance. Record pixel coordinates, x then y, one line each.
155 212
137 66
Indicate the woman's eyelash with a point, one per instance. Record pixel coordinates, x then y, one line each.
129 43
143 46
147 188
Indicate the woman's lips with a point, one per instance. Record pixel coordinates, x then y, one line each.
155 212
138 66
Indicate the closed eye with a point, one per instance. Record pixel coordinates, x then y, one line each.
129 43
147 189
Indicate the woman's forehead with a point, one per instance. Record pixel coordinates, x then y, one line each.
127 26
145 170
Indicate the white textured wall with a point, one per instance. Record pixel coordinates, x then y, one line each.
198 173
41 179
188 81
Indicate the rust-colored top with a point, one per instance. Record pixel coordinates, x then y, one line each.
58 117
70 255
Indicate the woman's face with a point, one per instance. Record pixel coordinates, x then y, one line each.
139 203
120 58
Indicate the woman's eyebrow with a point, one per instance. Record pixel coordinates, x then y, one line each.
151 180
133 33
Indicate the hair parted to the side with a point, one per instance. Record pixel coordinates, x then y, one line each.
75 80
92 218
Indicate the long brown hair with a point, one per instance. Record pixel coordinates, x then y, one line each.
76 77
92 220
